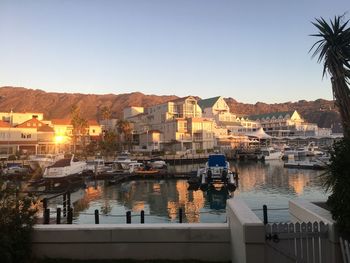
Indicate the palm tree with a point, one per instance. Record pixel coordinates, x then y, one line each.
80 126
333 49
124 130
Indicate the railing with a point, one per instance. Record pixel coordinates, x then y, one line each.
345 250
96 214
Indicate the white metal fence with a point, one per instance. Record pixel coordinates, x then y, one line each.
295 242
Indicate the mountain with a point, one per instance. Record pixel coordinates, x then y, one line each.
58 105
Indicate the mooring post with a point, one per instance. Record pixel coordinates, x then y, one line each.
64 205
44 206
47 216
142 217
128 217
70 216
180 215
97 219
265 214
58 216
68 200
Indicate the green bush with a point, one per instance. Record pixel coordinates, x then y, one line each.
337 180
17 217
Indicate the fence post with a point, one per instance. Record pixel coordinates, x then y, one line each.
47 216
64 205
142 217
68 200
44 206
70 216
58 216
180 215
97 219
128 217
265 214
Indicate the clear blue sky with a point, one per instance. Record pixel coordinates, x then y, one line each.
248 50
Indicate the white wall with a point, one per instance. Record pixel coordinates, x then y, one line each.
247 233
207 242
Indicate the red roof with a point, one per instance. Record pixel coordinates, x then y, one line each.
4 124
32 123
61 121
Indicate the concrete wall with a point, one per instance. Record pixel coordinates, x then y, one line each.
305 211
207 242
247 233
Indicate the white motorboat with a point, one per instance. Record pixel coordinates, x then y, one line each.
64 168
310 150
97 165
43 160
124 160
216 171
158 163
270 153
308 164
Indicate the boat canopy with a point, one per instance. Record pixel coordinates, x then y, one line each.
217 160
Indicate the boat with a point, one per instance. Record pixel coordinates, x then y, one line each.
158 163
270 153
97 165
65 168
310 150
216 170
124 159
310 164
43 160
144 171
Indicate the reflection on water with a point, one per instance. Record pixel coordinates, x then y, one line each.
260 183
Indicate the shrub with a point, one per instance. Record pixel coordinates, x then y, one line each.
337 180
17 217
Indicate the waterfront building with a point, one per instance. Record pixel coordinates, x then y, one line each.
15 118
35 135
228 126
288 124
179 125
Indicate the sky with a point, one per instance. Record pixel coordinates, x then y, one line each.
250 50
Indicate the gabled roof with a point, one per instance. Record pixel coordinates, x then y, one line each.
270 115
182 99
208 103
32 123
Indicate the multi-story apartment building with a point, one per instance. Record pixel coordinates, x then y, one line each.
287 124
179 124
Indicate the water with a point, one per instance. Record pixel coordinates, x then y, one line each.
260 183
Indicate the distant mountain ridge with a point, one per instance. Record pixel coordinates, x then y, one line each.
58 105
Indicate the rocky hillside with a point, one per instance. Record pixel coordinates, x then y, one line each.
58 105
322 112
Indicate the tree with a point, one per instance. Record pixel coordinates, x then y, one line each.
80 126
125 131
333 49
17 217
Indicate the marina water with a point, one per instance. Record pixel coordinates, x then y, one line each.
259 183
